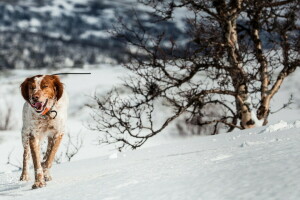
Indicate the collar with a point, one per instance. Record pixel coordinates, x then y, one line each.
48 111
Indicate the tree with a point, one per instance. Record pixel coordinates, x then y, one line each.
238 55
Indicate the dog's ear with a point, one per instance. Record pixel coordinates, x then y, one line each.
59 87
25 90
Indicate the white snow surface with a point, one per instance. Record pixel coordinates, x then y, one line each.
260 164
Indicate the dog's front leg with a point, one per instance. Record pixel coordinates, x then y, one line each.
26 154
53 144
35 152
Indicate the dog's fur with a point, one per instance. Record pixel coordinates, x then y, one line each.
41 93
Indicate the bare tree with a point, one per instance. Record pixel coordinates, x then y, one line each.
238 54
73 146
9 162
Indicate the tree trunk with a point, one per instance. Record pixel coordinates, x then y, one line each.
237 73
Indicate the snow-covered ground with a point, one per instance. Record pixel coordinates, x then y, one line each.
256 164
261 163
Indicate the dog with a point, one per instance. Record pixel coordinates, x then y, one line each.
44 115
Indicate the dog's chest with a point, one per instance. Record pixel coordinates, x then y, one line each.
45 126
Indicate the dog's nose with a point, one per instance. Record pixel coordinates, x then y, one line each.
35 97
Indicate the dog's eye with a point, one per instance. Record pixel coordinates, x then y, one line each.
44 86
31 87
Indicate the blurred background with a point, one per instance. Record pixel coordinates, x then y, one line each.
37 34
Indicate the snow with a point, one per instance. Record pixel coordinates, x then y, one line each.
35 22
109 14
261 163
282 125
279 126
91 20
180 17
257 122
100 34
214 167
113 156
23 23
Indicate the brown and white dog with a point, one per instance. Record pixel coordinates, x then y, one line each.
44 115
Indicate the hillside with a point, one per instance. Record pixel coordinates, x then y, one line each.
261 163
257 164
183 161
57 34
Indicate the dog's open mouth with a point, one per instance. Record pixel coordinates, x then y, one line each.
39 106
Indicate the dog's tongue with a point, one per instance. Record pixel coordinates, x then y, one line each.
38 105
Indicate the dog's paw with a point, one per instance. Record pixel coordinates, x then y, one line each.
24 177
47 177
38 184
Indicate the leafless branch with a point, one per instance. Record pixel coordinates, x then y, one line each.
238 55
18 166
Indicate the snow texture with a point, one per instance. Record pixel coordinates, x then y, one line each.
261 163
214 167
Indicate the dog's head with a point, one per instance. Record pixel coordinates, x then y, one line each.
38 90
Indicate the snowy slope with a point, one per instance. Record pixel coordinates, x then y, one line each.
253 164
256 164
